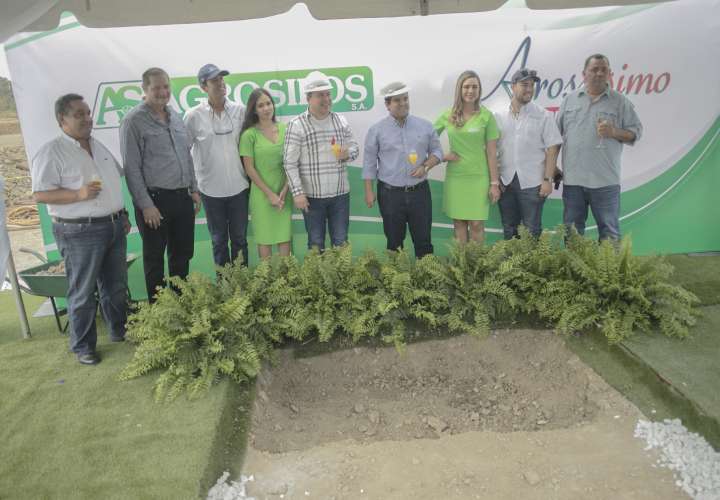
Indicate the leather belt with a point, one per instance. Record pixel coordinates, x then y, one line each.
404 188
185 190
92 220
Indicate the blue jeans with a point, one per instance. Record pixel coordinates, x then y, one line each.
335 212
518 206
227 219
604 203
94 257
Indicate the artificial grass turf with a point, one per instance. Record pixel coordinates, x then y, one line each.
669 377
73 431
690 366
699 274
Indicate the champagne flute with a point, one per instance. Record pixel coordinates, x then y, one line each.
96 180
412 157
335 148
602 118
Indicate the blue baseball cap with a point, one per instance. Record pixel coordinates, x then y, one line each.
210 71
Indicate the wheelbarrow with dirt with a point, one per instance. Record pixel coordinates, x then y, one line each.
50 280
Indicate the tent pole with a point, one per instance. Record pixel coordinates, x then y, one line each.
18 297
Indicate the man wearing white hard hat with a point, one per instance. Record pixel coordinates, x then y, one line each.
318 145
399 151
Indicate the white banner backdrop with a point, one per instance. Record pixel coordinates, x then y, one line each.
663 56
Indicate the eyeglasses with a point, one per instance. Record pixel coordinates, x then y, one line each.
220 126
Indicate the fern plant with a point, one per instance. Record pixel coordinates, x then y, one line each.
199 331
604 286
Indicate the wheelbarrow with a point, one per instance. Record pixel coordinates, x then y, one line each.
37 281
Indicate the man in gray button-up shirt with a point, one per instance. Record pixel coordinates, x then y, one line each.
595 121
155 149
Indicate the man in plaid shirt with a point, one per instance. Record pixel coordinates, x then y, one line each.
318 143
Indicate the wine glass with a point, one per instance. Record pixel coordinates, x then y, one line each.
603 117
335 146
96 180
412 157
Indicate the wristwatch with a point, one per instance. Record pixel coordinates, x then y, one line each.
549 179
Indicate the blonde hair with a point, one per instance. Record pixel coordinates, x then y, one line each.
456 114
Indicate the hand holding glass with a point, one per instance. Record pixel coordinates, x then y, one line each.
412 157
602 119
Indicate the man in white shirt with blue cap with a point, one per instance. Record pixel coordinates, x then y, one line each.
399 151
79 180
214 127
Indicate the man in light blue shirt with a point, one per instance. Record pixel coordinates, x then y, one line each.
399 151
595 122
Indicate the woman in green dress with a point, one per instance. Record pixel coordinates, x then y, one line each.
261 149
471 175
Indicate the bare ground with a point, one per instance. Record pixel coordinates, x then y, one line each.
18 190
27 238
512 416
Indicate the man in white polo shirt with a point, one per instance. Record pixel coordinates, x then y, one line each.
79 180
529 146
214 128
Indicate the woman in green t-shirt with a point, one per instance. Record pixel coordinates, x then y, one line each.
471 175
261 149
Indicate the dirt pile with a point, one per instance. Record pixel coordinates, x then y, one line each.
513 381
514 416
15 171
9 126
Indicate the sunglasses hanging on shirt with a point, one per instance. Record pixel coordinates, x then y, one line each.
222 125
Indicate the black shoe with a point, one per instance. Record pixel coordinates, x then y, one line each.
88 359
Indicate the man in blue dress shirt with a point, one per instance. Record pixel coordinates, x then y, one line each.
399 151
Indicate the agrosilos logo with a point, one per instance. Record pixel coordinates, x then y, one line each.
352 91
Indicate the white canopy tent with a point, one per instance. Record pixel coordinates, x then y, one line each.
43 15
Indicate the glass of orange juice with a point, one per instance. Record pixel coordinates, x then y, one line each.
335 148
412 157
95 179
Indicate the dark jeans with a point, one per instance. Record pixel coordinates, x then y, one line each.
94 257
604 203
521 206
402 208
335 212
176 233
227 219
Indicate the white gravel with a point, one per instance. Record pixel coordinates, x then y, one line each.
233 490
695 464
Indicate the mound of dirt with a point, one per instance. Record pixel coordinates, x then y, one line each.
9 126
14 169
512 381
